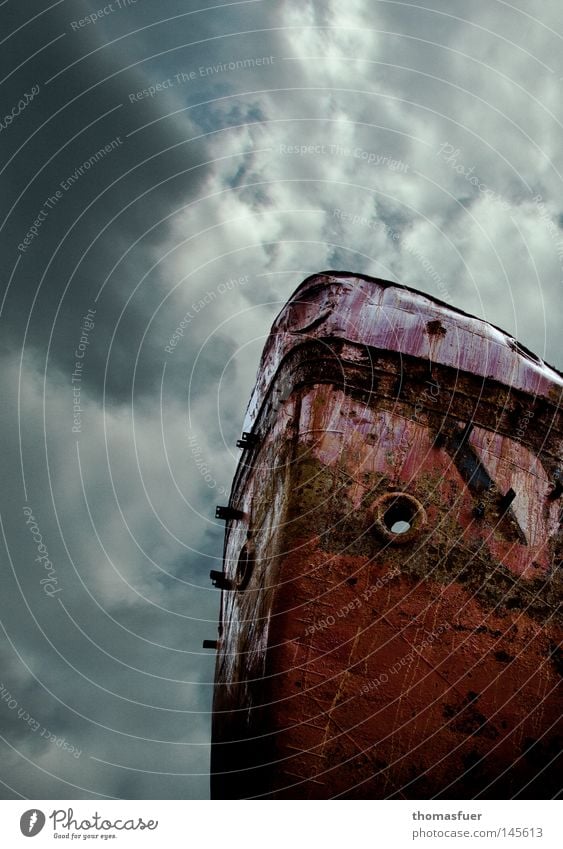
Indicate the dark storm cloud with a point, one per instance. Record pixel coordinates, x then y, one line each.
104 209
103 582
109 669
112 218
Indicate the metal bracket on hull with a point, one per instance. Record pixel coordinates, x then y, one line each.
248 440
228 513
220 580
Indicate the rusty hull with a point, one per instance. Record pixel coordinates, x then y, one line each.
354 661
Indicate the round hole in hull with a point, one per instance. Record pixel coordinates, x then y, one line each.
398 517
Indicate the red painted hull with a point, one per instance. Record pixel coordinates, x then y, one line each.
355 661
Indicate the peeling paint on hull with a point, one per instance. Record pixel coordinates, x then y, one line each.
357 662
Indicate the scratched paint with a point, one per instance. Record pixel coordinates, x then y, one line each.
357 664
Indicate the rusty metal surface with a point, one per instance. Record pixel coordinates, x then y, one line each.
390 317
352 660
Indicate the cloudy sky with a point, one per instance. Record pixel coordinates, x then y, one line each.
170 172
